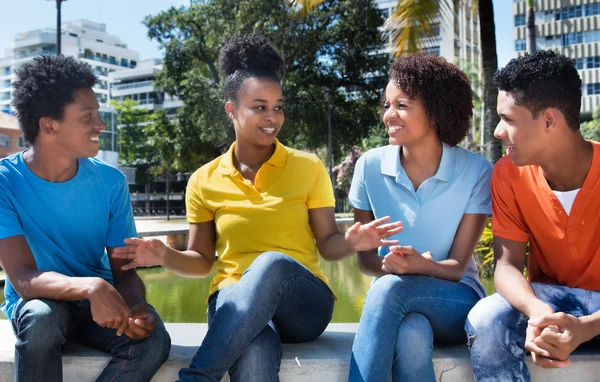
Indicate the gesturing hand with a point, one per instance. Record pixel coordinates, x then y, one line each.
363 237
404 260
141 252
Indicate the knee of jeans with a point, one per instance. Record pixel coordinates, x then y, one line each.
415 337
274 262
42 320
383 289
488 320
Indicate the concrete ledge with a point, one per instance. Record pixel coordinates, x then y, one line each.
325 359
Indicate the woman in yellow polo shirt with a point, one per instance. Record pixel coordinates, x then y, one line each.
267 211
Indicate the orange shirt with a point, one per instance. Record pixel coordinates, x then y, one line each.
564 249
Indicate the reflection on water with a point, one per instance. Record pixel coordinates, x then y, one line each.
179 299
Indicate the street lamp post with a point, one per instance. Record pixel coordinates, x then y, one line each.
329 139
58 24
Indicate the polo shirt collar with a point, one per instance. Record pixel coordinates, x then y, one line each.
278 159
390 164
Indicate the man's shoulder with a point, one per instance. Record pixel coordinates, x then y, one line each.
101 168
10 168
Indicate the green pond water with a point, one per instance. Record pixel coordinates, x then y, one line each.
179 299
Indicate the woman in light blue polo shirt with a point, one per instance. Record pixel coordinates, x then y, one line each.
427 284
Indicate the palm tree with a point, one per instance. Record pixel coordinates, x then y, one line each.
414 19
530 43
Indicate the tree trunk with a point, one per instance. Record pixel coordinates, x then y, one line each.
530 43
492 147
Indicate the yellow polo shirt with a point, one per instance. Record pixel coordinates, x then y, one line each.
269 215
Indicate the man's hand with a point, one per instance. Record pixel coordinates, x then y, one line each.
560 334
539 350
363 237
405 260
142 322
109 310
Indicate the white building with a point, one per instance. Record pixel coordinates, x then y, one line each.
87 41
457 34
138 84
572 27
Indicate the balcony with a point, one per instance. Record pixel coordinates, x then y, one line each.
133 85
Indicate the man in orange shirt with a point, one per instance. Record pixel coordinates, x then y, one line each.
545 193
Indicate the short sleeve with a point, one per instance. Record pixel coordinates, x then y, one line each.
321 194
9 220
121 223
358 196
507 220
480 201
197 211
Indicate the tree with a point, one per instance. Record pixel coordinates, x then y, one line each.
330 47
132 144
591 129
531 37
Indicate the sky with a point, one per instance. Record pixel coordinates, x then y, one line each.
124 19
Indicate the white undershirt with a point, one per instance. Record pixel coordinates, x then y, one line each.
567 198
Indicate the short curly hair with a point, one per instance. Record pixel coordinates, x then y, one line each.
44 87
444 90
544 79
248 56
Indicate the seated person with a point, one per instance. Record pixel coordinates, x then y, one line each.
61 213
545 194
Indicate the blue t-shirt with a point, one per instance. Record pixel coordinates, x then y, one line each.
67 225
432 213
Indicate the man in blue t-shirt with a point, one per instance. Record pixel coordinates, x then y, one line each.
61 214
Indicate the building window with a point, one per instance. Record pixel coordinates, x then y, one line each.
579 63
592 62
520 45
434 50
520 20
4 140
593 89
569 13
572 38
592 9
22 143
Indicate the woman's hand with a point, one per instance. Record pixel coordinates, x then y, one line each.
363 237
141 252
405 261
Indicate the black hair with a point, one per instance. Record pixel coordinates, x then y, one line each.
44 87
248 56
444 90
542 80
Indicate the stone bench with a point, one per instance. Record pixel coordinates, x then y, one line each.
323 360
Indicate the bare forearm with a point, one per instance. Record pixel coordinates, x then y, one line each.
32 284
131 288
335 248
514 287
592 325
187 263
446 269
370 263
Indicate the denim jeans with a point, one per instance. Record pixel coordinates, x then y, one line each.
401 318
276 300
496 330
43 326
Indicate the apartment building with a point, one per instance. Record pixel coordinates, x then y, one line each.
11 137
572 27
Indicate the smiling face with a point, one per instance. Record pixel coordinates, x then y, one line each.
257 111
405 119
526 137
77 133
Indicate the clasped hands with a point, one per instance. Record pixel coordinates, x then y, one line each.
552 337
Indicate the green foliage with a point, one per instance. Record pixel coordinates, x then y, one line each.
329 47
591 129
132 142
484 252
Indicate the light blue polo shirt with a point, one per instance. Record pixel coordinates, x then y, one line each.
432 213
67 225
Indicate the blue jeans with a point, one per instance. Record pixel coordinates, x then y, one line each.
43 326
276 300
496 330
401 318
